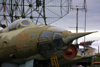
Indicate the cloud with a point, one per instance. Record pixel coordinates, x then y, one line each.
95 45
92 19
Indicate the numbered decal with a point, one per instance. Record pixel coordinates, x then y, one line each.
19 38
25 36
21 43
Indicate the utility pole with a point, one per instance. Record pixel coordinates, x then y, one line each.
85 23
77 9
80 8
77 25
98 49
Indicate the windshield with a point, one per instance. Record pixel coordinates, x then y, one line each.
45 35
19 24
57 40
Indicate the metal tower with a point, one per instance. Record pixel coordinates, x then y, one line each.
39 11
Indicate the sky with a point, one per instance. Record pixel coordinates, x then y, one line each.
92 19
95 45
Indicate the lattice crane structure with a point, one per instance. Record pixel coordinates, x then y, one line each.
39 11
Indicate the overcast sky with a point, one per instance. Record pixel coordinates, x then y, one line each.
92 22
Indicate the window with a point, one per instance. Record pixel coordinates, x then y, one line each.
20 23
33 35
57 40
45 35
25 22
45 48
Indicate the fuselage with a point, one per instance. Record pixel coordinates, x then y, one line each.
23 41
31 42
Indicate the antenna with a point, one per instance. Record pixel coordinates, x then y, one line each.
77 8
85 8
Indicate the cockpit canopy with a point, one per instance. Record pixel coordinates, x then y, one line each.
20 24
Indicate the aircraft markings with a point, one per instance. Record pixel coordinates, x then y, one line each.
20 37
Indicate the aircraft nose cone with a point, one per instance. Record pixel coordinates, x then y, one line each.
72 36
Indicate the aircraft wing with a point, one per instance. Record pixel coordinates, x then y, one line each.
63 62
